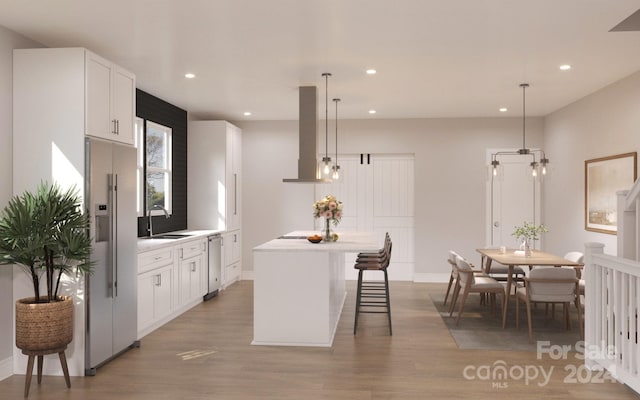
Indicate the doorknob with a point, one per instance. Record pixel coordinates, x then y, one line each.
496 224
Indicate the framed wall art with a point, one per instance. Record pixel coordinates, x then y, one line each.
603 177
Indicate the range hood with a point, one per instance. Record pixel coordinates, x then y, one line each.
308 126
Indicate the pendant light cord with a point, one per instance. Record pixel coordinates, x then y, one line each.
524 86
336 100
326 114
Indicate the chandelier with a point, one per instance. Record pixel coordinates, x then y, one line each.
539 161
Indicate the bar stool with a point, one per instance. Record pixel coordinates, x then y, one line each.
373 296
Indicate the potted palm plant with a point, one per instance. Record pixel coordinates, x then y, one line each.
46 234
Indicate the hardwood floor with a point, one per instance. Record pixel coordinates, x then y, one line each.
206 354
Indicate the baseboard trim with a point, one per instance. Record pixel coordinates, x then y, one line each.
428 277
6 368
247 275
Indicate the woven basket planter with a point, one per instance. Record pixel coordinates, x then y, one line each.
44 326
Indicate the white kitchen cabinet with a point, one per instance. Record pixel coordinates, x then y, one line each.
214 175
231 254
171 280
192 268
215 188
76 88
111 93
155 298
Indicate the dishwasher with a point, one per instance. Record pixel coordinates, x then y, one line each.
214 268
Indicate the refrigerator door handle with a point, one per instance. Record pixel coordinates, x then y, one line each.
114 237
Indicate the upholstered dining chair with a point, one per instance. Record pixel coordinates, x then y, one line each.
453 278
469 282
549 285
454 273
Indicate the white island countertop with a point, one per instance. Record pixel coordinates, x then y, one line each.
299 287
348 242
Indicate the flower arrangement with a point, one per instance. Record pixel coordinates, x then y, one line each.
329 208
529 231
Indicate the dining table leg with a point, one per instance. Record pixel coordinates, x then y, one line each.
505 304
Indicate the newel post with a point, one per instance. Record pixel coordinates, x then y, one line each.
591 297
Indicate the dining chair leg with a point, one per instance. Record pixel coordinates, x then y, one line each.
448 289
454 300
529 320
517 313
462 301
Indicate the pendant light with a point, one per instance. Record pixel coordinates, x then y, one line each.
325 167
539 162
336 166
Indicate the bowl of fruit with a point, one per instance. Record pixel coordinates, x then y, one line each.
314 238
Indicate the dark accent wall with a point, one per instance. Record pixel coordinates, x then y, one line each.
151 108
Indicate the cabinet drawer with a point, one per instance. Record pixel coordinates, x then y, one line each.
232 273
190 249
154 259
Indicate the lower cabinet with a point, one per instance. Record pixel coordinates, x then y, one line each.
171 279
154 296
231 256
191 280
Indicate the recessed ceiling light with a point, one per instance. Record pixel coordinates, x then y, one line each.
247 113
371 71
372 111
189 75
503 109
565 67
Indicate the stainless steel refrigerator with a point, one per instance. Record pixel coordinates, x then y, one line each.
111 290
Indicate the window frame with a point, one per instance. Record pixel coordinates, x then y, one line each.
167 170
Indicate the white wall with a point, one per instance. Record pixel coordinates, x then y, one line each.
450 175
9 40
604 123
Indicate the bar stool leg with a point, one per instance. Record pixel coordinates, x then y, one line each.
358 294
40 362
386 287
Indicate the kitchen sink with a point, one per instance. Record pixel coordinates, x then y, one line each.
169 236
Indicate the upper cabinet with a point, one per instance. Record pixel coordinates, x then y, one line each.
214 175
75 92
110 101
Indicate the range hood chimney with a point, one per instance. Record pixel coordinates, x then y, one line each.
308 125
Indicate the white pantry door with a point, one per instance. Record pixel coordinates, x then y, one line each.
512 198
377 192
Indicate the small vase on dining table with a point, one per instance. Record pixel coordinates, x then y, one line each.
327 235
526 247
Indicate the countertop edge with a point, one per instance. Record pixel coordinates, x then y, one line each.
144 245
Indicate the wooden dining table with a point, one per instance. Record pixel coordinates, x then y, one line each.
512 258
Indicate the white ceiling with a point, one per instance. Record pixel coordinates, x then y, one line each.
435 58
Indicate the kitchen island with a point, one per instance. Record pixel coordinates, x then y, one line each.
299 287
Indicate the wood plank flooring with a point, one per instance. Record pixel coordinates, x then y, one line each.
206 354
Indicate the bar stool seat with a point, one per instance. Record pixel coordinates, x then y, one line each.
373 296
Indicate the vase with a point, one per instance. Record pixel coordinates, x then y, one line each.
327 235
526 247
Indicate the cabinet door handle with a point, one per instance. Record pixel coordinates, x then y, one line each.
158 280
235 238
235 194
114 126
117 127
193 267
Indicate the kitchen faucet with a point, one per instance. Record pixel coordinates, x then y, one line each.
156 206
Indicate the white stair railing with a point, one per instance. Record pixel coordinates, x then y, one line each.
629 222
612 300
